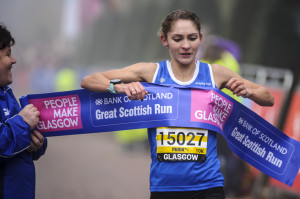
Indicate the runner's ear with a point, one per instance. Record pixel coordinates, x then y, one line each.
164 41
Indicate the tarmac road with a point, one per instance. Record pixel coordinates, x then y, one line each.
91 166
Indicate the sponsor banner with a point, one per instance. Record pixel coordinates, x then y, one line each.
292 129
249 136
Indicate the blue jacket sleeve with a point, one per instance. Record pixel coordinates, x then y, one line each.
14 137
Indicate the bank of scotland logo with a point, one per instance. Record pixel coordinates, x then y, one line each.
98 102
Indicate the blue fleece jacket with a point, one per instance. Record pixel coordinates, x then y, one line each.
17 173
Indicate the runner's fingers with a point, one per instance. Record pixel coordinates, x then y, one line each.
143 91
234 86
230 83
140 91
133 92
126 88
136 90
135 97
239 89
127 92
244 91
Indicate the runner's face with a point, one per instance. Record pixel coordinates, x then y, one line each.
6 62
183 41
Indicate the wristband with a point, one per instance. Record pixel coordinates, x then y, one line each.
113 82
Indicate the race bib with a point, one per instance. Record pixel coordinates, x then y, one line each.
181 144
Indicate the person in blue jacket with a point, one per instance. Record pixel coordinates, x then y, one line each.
20 144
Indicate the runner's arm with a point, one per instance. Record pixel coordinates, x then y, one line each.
226 78
131 77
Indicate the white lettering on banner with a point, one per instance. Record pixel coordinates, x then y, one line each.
266 139
135 111
153 96
132 112
202 115
257 149
255 131
59 103
59 123
220 102
162 109
222 115
66 112
123 112
248 126
106 114
219 113
254 146
112 100
62 113
237 135
273 160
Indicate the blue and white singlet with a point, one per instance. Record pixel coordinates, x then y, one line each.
184 159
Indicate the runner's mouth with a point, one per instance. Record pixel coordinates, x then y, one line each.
185 54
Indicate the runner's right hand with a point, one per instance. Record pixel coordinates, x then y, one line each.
133 90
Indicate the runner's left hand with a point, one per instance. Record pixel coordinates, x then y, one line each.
238 87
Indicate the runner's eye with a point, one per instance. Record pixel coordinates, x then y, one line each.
193 38
177 39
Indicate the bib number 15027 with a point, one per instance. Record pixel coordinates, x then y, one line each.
181 138
181 144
